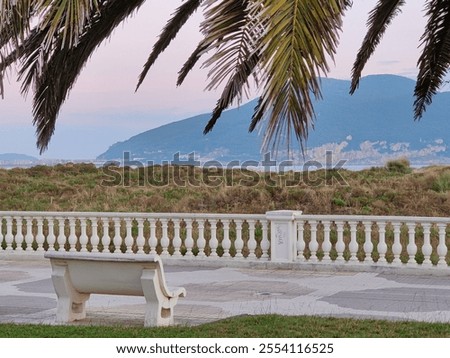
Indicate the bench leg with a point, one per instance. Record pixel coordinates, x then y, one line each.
71 303
155 312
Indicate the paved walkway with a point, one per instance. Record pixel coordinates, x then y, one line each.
27 295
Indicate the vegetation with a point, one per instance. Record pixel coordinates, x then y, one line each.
266 326
83 187
283 46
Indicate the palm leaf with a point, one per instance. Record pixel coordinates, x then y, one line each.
65 19
14 26
182 14
435 58
59 73
379 19
200 50
300 37
231 30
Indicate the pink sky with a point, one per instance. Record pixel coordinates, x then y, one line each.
103 107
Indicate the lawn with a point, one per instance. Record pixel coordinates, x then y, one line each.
263 326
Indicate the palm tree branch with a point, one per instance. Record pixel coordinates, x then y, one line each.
59 73
379 19
231 28
301 36
435 58
233 89
170 31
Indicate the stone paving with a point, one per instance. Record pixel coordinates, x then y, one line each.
27 295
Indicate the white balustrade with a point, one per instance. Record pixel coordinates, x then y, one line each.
336 240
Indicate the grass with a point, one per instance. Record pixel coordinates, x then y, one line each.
392 190
264 326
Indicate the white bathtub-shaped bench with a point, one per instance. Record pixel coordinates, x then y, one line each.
76 275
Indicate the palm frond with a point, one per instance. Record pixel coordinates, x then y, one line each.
170 31
231 30
58 74
14 27
301 36
66 19
233 89
434 61
379 20
200 50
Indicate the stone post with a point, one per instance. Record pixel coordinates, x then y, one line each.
283 235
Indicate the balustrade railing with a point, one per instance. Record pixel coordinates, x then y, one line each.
189 235
317 239
411 241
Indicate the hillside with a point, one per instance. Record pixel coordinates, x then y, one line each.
83 187
368 128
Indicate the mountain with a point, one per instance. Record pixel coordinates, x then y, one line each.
15 157
368 128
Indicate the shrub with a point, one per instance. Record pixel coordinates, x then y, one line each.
401 165
442 183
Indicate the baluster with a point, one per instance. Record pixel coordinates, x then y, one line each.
29 238
326 245
140 240
313 244
153 241
265 244
106 239
61 239
201 242
340 244
427 249
40 238
95 239
238 243
368 245
19 235
189 241
165 242
382 246
117 239
411 248
1 232
83 236
226 242
72 235
251 244
213 242
51 238
353 245
301 245
442 247
176 238
397 246
9 237
129 240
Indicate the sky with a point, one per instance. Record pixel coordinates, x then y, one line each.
103 107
